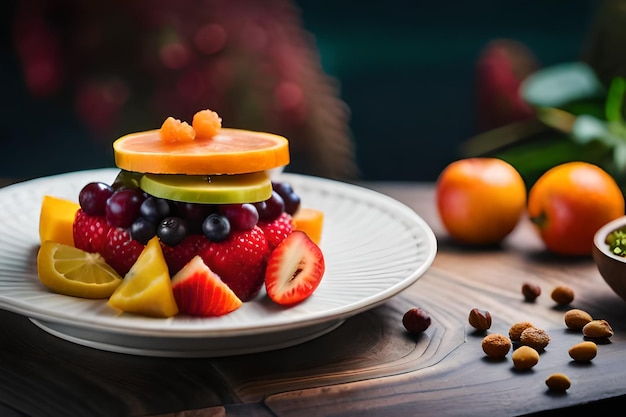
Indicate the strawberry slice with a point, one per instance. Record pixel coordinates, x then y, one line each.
198 291
277 230
121 251
294 269
90 232
240 261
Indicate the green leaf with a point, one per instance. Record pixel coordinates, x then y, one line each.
558 85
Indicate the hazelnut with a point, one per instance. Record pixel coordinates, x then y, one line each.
525 357
537 339
596 329
416 320
530 291
562 295
558 382
516 330
480 319
583 351
575 319
496 345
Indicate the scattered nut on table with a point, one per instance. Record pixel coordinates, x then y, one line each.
496 345
558 382
525 357
562 295
537 339
596 329
479 319
515 331
575 319
416 320
583 351
530 291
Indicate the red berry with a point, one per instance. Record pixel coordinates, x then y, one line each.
240 261
121 251
90 232
294 269
277 230
177 256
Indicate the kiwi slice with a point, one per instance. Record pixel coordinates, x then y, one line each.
209 189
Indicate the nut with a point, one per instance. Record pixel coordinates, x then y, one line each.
575 319
516 330
416 320
562 295
525 357
596 329
558 382
530 291
479 319
583 351
537 339
496 345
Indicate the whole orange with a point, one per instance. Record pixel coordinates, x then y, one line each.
480 200
570 202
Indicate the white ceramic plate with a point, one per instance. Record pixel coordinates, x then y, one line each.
373 245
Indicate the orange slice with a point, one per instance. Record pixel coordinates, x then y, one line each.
231 151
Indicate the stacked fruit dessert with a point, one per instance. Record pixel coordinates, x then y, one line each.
192 224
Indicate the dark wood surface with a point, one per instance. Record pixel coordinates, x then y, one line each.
369 366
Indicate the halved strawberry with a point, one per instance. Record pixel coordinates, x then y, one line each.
178 256
294 269
90 232
121 251
239 261
277 230
198 291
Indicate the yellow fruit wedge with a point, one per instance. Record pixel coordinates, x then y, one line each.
56 218
147 288
310 221
70 271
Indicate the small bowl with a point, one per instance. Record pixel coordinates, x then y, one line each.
611 267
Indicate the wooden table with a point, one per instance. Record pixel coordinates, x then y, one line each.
369 366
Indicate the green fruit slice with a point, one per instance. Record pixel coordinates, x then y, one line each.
209 189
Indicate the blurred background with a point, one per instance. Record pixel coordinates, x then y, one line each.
363 90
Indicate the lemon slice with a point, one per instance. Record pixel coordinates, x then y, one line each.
209 189
231 151
147 288
70 271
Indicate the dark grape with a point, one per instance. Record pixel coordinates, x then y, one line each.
241 216
216 227
93 198
122 208
290 197
194 213
142 230
172 230
270 209
154 209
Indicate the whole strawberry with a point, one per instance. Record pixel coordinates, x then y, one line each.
120 250
90 232
240 261
177 256
277 230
